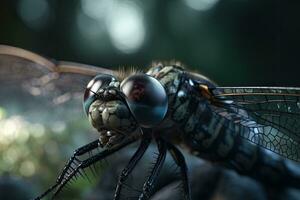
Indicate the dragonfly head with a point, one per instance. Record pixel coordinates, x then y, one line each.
107 110
117 110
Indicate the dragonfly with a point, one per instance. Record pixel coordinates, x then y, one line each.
252 130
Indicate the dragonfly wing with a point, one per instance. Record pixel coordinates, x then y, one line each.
39 75
270 116
26 77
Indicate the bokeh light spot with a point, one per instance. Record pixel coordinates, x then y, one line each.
121 21
200 5
88 27
97 9
59 127
2 113
37 130
51 148
11 156
34 13
23 136
27 168
126 27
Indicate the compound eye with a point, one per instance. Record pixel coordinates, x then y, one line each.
146 98
98 82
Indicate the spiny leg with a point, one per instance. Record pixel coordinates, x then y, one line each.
90 161
63 180
131 165
148 185
78 152
180 161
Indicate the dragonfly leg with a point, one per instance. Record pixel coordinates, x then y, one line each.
80 165
148 185
180 161
78 152
131 165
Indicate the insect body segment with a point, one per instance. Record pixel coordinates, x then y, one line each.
217 132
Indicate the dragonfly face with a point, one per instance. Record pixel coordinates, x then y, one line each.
117 111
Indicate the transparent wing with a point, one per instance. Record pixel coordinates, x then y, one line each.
269 116
41 116
40 83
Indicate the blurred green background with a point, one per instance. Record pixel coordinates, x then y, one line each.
233 42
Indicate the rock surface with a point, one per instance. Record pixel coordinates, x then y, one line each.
208 181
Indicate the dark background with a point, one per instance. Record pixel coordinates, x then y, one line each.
235 42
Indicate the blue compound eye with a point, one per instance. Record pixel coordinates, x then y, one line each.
90 94
146 98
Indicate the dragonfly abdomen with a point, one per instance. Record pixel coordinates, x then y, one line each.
216 138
